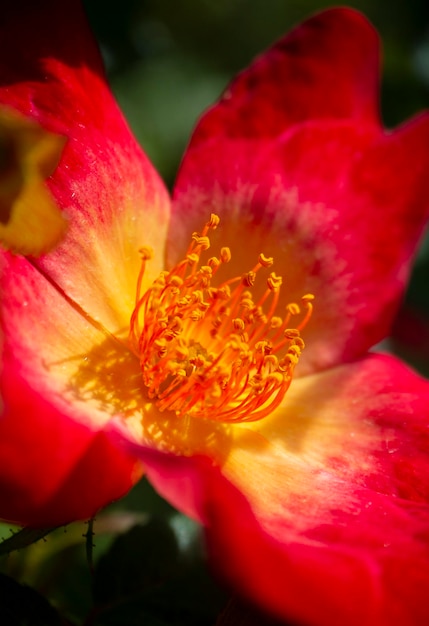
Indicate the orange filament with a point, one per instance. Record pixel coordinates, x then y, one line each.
210 351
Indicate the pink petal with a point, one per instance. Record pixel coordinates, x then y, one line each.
61 393
326 500
339 203
115 200
55 468
303 77
373 571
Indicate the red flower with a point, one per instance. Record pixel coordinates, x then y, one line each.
315 500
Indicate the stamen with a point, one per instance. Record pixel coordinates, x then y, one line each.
210 351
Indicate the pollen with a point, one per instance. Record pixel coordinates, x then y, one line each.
209 349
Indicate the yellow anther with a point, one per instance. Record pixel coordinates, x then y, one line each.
174 328
259 315
213 221
293 308
291 333
247 303
161 346
160 281
263 346
276 322
296 350
309 297
213 262
225 255
288 359
197 296
197 361
276 378
146 253
271 361
300 343
196 315
249 279
265 261
206 271
175 281
202 242
238 324
215 351
274 282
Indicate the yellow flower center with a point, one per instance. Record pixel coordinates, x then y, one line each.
210 351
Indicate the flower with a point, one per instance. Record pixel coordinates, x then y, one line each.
317 508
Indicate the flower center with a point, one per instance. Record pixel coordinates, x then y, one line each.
210 351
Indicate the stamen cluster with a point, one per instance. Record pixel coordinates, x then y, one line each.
211 351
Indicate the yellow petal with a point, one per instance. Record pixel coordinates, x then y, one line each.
30 221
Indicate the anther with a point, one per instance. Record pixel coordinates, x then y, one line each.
265 261
293 308
213 221
214 351
274 282
225 255
249 279
202 242
192 258
213 262
146 253
309 297
238 324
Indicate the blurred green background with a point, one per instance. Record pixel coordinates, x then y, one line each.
167 60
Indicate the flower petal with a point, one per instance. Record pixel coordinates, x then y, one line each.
55 469
303 77
114 199
337 202
325 582
61 392
334 499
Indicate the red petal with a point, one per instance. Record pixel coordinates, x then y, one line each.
326 68
59 459
61 394
325 517
54 467
370 570
105 184
337 202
